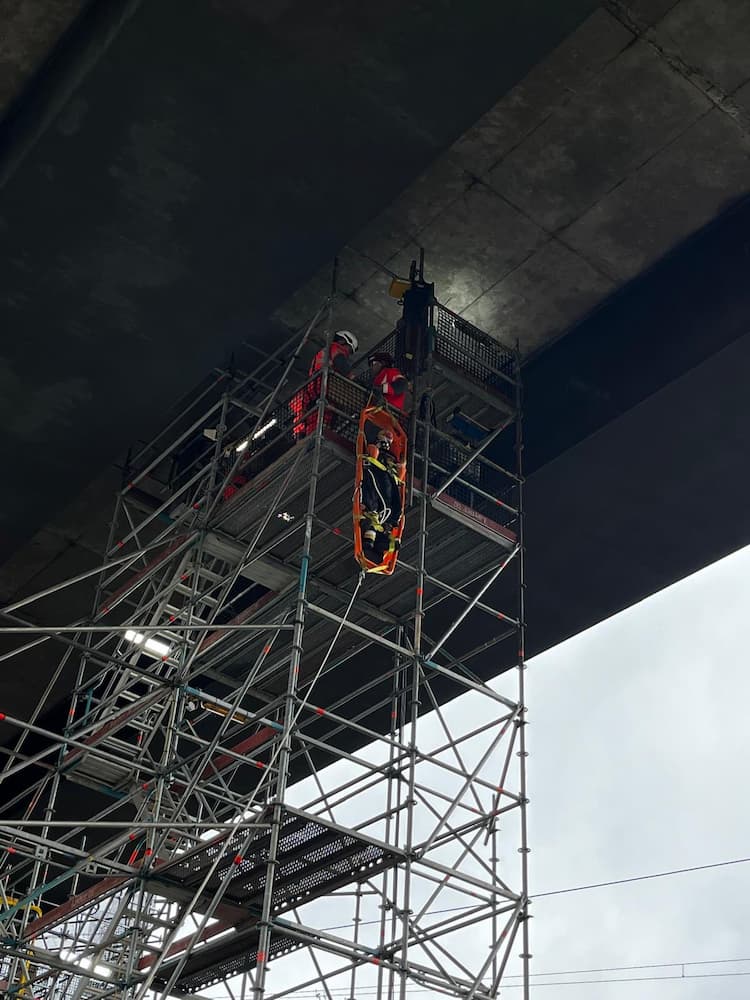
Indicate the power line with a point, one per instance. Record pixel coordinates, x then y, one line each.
344 990
575 888
632 968
373 991
642 878
629 979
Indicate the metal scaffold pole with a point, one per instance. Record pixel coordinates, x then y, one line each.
522 751
295 660
424 382
276 773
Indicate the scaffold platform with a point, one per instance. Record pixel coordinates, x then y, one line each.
315 859
235 648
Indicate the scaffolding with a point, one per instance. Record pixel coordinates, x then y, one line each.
282 795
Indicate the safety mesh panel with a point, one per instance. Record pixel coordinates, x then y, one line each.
459 344
297 418
350 397
473 352
395 345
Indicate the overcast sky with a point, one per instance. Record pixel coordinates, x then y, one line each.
639 745
640 748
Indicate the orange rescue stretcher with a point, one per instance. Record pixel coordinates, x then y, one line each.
373 419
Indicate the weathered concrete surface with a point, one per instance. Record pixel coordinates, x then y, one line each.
28 31
514 304
574 182
193 179
497 253
711 37
623 142
605 133
635 439
636 419
703 168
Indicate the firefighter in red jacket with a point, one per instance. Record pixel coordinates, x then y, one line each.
387 380
343 347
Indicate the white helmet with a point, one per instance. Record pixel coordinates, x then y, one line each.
348 339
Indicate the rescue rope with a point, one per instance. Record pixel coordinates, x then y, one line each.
385 511
303 703
324 661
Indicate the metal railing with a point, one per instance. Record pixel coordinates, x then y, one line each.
474 353
456 344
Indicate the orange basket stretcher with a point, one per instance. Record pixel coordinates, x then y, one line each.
371 420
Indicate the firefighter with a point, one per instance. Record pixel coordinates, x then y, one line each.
344 345
388 381
381 497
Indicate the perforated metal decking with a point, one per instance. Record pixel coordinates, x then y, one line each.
314 859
